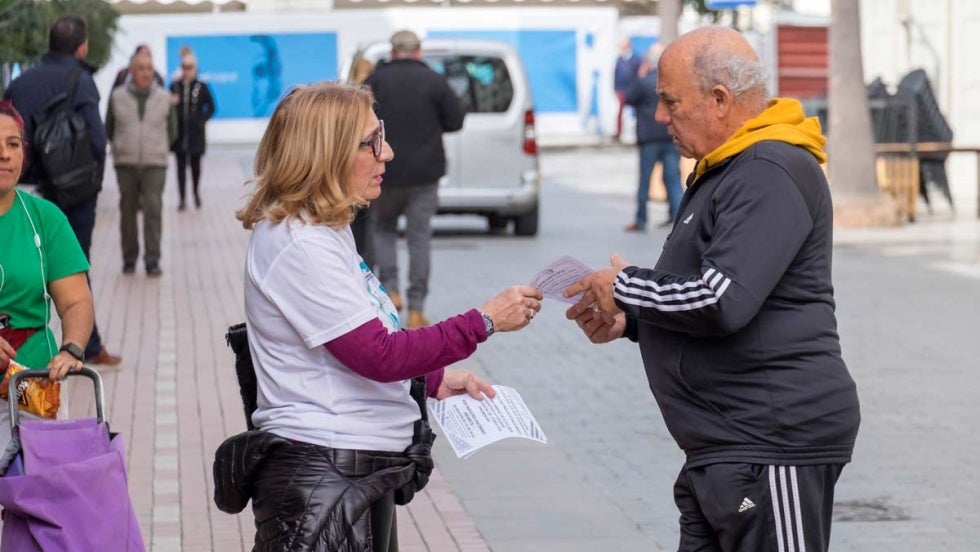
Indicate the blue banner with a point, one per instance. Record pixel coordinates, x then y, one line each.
248 73
549 59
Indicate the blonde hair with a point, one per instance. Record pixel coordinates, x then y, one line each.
304 161
362 70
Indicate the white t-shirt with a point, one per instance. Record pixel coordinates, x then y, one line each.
304 286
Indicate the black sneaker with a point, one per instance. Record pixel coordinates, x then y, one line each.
153 269
129 268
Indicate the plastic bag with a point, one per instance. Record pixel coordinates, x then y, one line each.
38 396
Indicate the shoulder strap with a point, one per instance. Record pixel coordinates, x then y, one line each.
72 88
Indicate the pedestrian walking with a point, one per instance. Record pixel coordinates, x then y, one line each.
123 76
736 321
418 106
41 265
30 93
141 124
195 105
340 437
654 142
625 72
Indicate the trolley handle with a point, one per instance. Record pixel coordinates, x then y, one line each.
85 371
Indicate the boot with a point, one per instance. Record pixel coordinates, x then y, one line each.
417 319
396 299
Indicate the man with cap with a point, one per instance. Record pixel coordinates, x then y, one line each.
417 107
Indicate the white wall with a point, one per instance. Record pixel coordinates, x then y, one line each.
358 27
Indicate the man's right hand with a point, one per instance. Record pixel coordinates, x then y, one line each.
597 327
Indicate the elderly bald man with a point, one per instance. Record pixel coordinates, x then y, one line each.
736 321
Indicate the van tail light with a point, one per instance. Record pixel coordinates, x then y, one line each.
530 145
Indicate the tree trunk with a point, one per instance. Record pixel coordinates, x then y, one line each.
670 12
858 201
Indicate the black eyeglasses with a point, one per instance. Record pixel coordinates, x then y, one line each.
376 141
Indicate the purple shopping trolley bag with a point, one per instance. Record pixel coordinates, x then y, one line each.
66 489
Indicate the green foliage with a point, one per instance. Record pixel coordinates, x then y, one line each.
23 31
702 9
24 27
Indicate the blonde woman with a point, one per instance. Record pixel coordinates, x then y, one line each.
342 434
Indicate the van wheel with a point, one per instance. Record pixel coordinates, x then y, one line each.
527 225
497 223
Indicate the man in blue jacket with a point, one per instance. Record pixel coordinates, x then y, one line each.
627 65
736 322
654 142
31 92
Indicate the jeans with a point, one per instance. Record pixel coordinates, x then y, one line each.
81 218
668 154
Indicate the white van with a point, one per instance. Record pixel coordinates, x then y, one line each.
492 163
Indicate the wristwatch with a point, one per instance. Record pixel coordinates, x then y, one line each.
487 323
73 350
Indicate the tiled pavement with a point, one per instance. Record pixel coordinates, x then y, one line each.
603 481
175 398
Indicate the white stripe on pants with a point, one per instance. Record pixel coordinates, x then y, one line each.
786 509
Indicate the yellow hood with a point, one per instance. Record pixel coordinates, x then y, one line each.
783 121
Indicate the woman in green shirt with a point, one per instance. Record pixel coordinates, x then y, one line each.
40 263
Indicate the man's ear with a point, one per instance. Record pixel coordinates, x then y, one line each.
723 99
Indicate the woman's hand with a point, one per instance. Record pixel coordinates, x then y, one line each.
7 353
457 382
61 364
513 308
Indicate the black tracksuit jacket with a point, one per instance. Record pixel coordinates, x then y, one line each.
736 322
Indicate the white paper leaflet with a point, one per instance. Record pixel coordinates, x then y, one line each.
470 425
554 278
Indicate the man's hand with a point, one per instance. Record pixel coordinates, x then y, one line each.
597 327
457 382
598 289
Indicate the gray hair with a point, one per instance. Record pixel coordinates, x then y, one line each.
742 76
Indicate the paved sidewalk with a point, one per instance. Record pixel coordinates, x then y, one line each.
603 482
175 398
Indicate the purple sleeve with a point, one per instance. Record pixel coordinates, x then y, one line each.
432 382
372 352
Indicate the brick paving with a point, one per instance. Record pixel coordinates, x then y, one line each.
603 481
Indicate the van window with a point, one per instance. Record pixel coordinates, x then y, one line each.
482 83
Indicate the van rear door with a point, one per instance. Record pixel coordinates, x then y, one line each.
492 136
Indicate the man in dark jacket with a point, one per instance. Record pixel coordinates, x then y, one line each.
655 143
624 73
31 92
417 107
736 322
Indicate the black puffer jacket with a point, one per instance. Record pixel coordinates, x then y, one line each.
307 497
194 107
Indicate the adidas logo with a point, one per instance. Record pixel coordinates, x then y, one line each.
687 220
746 505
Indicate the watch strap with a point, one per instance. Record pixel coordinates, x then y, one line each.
487 323
74 350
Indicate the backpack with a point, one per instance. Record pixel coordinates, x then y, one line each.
67 170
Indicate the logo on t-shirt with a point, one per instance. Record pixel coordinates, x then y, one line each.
388 315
